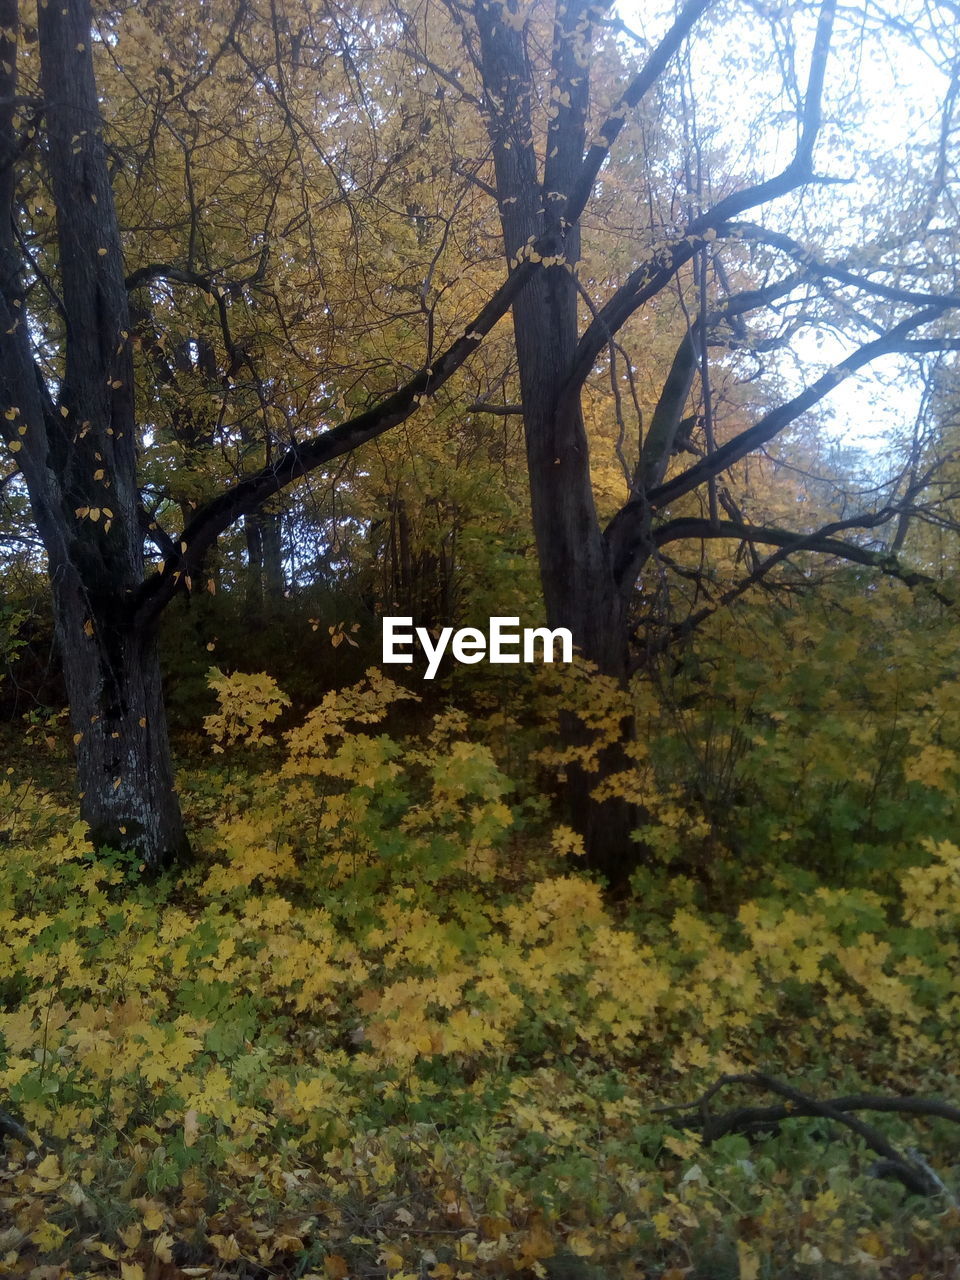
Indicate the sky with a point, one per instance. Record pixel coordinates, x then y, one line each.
885 84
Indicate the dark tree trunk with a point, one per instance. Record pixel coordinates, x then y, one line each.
117 714
579 586
263 535
253 536
273 581
78 452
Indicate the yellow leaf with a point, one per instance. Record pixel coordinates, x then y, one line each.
579 1242
132 1235
392 1260
48 1236
48 1168
748 1260
226 1247
163 1247
152 1217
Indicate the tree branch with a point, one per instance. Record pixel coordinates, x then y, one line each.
821 541
653 275
639 87
217 515
914 1174
831 271
499 410
896 340
660 439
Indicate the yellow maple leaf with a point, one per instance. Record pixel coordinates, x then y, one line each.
48 1236
748 1261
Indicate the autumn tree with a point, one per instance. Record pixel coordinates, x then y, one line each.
329 181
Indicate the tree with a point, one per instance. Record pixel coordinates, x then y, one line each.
68 364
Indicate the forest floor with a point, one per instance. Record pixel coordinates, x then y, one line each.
383 1026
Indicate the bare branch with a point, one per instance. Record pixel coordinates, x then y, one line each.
914 1174
896 340
250 493
639 87
811 264
652 276
822 541
499 410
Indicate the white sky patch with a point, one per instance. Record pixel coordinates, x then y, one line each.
886 80
871 407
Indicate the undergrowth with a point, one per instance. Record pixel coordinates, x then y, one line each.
383 1026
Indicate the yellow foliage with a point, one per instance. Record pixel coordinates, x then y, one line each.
247 703
346 1004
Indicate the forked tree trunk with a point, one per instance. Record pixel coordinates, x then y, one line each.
579 586
75 439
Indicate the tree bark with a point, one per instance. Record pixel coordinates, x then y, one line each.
77 452
579 588
117 715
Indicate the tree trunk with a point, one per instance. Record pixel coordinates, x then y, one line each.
124 770
78 451
273 581
579 587
580 591
262 532
253 536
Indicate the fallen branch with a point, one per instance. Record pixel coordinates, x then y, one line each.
914 1174
10 1128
